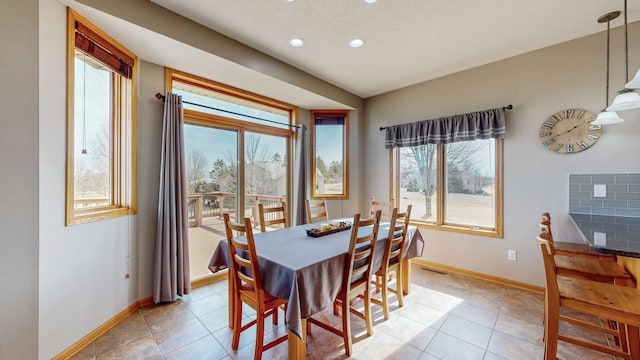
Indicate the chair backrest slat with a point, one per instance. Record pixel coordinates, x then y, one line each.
280 213
385 206
316 210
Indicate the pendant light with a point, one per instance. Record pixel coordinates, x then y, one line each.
627 98
635 82
607 117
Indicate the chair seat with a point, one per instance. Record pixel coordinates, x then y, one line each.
393 266
269 300
603 271
621 303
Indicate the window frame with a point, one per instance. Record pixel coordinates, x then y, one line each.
439 223
345 157
122 133
201 118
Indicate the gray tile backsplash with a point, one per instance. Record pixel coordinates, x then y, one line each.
622 196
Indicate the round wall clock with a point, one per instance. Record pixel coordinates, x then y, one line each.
569 131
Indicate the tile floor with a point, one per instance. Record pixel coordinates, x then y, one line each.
446 316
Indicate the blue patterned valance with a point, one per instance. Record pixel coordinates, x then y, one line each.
487 124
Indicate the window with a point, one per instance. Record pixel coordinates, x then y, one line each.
329 149
237 144
101 125
455 186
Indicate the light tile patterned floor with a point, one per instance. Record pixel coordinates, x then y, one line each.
446 316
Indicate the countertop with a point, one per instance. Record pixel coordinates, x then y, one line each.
616 235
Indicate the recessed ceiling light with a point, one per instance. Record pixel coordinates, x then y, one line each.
296 42
356 43
370 1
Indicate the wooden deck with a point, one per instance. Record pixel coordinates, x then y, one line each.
202 243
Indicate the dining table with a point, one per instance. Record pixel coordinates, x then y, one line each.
307 270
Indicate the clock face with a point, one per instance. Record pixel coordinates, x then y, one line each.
569 131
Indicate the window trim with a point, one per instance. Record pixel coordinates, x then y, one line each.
123 128
345 156
439 224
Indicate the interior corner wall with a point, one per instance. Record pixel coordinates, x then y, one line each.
19 180
150 113
538 84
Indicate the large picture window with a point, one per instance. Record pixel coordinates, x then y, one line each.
101 125
456 186
329 149
450 170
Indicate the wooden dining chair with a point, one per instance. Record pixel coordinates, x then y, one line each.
273 216
248 288
355 280
385 206
569 248
606 301
316 210
586 267
392 260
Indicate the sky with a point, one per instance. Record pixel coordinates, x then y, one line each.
222 144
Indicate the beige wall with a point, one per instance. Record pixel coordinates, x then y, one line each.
67 281
19 180
83 267
538 84
150 112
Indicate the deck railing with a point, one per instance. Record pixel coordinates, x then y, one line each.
214 204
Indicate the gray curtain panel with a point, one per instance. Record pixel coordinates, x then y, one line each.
465 127
171 278
300 187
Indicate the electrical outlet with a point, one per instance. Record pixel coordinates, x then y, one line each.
599 190
511 255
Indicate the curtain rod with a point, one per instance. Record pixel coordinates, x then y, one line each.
508 107
161 97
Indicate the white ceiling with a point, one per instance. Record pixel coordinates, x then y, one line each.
406 41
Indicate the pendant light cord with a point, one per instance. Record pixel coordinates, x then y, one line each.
626 45
606 96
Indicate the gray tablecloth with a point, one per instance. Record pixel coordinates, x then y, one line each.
306 270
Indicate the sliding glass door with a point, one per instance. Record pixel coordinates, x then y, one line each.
265 172
238 154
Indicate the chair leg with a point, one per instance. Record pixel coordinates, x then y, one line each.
622 338
378 282
259 336
367 309
274 316
346 328
399 288
232 305
551 327
633 336
237 323
385 299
